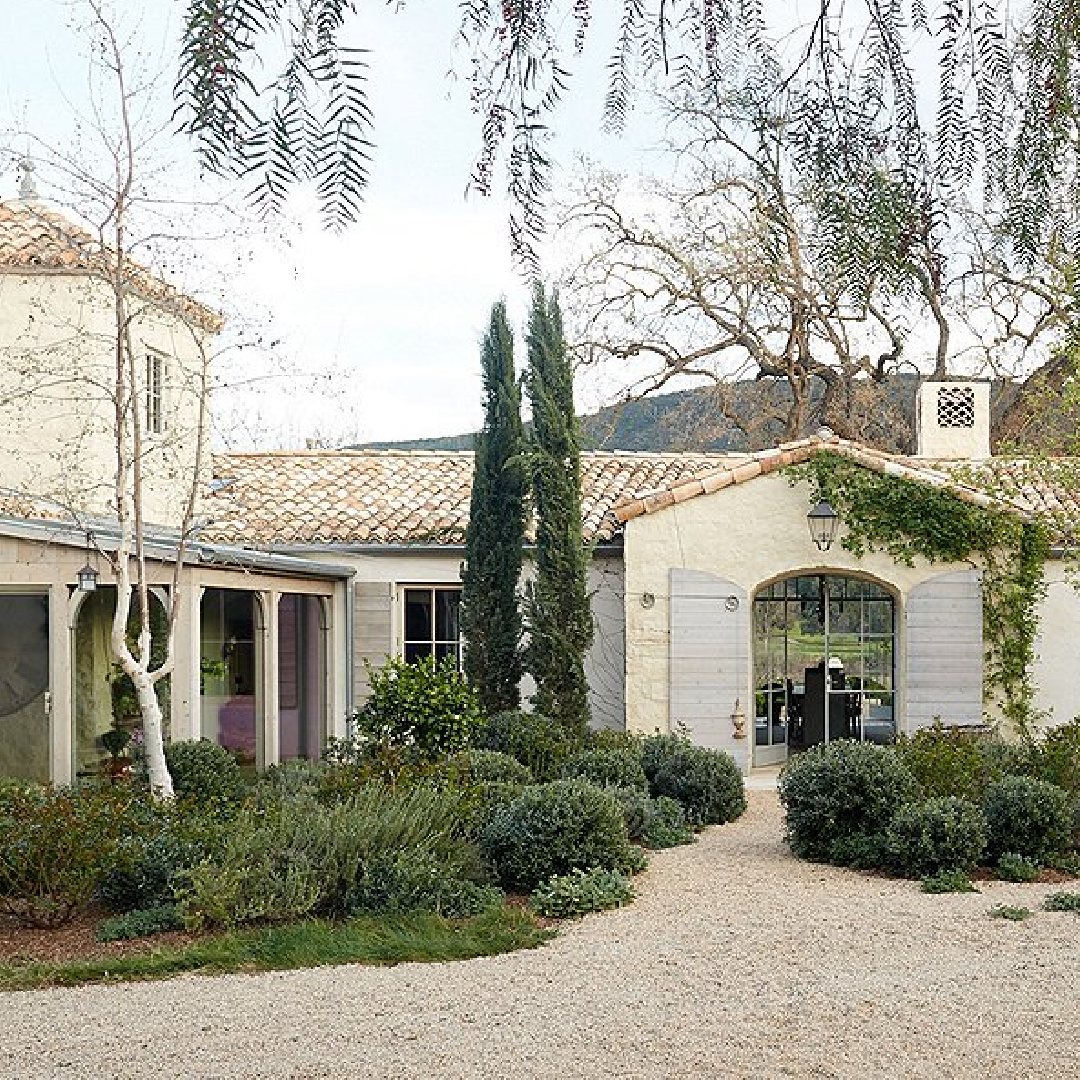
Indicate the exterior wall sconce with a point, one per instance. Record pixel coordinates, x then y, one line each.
87 576
648 599
823 521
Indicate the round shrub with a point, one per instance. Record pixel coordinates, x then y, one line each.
493 767
203 770
655 823
840 790
57 844
945 761
1027 817
539 743
608 767
425 707
940 834
555 828
707 783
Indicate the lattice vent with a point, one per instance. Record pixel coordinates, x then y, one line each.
956 407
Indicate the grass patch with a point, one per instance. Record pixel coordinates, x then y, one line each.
365 940
1010 912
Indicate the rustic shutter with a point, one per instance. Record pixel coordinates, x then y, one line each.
710 659
372 631
943 643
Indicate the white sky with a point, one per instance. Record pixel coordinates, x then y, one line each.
392 311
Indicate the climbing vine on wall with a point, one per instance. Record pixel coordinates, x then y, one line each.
908 519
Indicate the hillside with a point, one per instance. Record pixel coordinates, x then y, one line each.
741 416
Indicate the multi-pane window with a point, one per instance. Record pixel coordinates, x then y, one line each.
432 623
155 393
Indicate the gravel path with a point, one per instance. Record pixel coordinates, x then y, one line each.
735 961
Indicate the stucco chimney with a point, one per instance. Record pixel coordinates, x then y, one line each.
953 420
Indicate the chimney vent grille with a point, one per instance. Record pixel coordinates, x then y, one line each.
956 407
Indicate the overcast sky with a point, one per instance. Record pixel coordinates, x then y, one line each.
392 310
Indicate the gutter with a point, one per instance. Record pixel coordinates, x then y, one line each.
164 547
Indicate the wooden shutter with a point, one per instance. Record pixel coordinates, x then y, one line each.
943 642
710 659
372 631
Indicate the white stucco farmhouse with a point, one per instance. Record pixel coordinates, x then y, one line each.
716 612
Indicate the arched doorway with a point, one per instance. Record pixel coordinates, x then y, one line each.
824 663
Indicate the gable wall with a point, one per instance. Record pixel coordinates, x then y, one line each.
57 370
749 535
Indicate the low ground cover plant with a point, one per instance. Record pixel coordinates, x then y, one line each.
1062 901
581 892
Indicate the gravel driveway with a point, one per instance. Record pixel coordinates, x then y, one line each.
735 960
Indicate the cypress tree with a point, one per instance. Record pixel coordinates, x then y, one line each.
491 616
559 616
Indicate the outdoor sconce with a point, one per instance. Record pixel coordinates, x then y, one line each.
87 576
822 521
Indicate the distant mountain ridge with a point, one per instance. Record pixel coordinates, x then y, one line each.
682 420
746 415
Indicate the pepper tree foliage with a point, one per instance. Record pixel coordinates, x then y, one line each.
908 519
1006 111
494 542
559 616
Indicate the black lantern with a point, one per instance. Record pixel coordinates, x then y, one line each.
87 576
822 521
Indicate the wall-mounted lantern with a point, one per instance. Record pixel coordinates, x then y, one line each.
87 576
823 521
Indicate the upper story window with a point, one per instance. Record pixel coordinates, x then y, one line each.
432 623
155 393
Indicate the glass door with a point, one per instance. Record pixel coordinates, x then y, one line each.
823 664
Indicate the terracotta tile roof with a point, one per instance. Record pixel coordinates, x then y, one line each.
401 497
33 238
422 497
759 463
26 507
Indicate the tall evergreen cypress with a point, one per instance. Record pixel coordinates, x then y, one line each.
559 616
491 616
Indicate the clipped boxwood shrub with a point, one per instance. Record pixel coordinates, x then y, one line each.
203 770
655 823
940 834
608 766
840 790
538 742
582 891
492 767
707 783
554 828
1027 817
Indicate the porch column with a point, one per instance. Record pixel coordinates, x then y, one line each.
271 719
63 611
186 677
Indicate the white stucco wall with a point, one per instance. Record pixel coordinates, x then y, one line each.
57 374
749 534
399 569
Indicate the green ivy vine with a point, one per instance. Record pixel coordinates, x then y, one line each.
908 519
